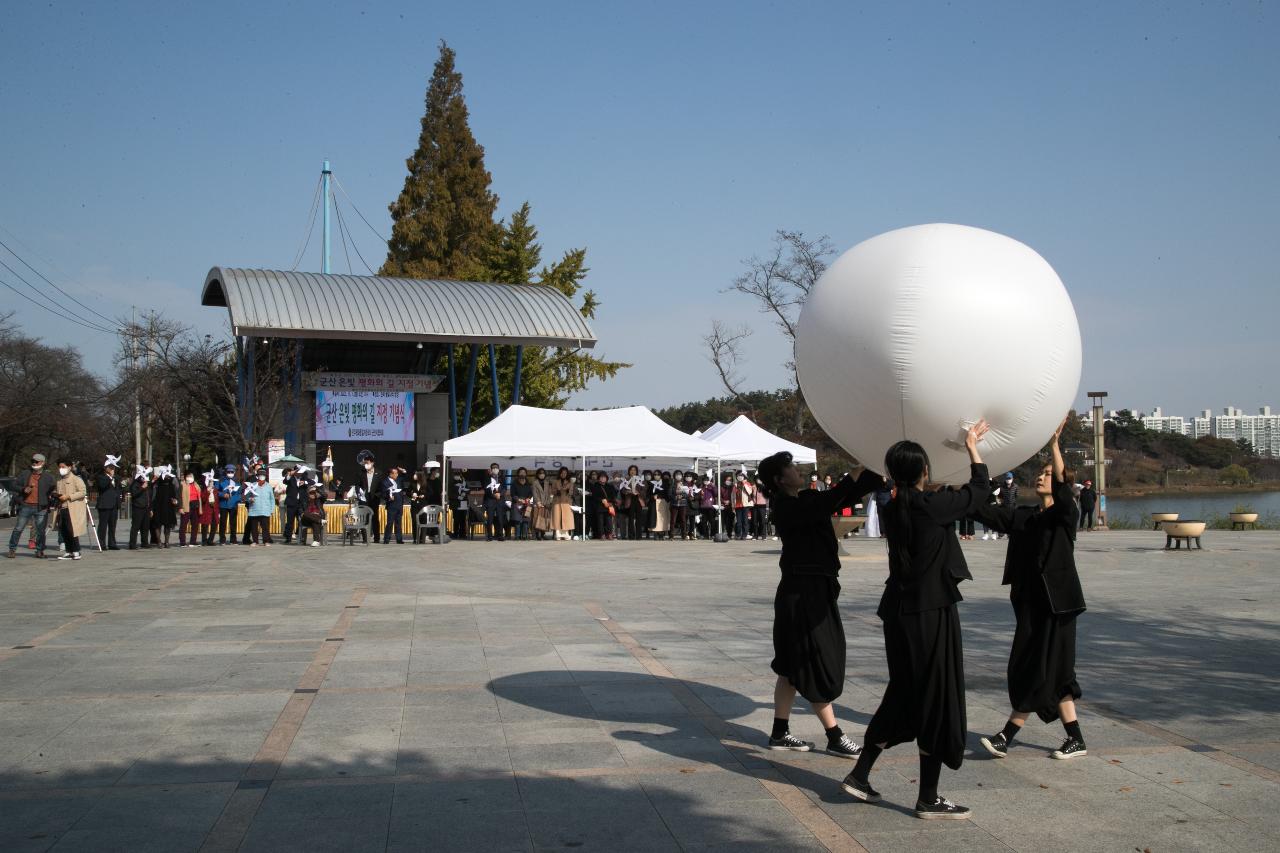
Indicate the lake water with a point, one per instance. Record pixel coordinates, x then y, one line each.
1194 506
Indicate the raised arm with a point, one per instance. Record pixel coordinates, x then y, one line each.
848 491
947 505
1059 467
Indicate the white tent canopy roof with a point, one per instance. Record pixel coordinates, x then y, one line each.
743 440
713 430
609 439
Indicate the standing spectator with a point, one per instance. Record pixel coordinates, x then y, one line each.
707 507
140 494
522 503
262 503
630 501
1088 502
1008 497
495 505
208 509
108 504
294 494
541 505
229 495
562 505
417 490
164 505
680 504
759 522
661 489
190 508
370 483
744 498
393 495
37 486
814 483
73 509
602 498
724 500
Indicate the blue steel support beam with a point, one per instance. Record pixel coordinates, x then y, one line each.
471 389
515 389
453 398
493 379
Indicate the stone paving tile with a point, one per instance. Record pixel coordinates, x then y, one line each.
321 818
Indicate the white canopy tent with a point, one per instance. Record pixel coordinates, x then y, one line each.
742 440
605 440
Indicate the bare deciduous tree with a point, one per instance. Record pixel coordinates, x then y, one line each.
724 352
779 284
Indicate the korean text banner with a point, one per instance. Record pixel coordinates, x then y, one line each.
364 416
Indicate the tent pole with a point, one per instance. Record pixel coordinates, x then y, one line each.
471 389
446 512
584 499
719 498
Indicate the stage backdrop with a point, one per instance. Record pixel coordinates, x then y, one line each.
364 416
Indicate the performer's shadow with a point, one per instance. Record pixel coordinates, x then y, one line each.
655 719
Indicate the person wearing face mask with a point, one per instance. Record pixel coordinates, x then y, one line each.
495 505
628 496
164 506
759 522
294 494
262 503
108 504
679 505
371 483
661 486
562 505
190 507
522 503
725 500
604 498
707 507
73 512
393 499
744 498
209 512
228 492
541 505
140 493
36 486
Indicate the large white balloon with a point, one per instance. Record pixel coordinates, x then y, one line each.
920 332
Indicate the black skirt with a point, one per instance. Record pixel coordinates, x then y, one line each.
924 701
808 638
1042 663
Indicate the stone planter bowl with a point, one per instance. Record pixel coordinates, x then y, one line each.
1163 516
1187 527
1244 517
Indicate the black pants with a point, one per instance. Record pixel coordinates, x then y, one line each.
495 520
69 537
140 526
227 523
759 524
680 520
1086 519
636 518
259 525
292 515
395 520
107 528
964 526
603 524
375 524
316 528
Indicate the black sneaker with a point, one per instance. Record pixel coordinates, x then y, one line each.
942 809
790 742
1072 747
996 745
860 790
845 748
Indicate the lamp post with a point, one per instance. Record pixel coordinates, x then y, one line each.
1099 455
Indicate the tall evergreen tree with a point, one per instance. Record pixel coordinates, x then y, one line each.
442 223
549 374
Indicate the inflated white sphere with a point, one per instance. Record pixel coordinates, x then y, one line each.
920 332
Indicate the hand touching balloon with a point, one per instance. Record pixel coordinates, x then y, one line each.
972 436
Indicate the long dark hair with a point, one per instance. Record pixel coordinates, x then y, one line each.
905 463
769 470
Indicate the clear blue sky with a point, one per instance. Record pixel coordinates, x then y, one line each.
1135 145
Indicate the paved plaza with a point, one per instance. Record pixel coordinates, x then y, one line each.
600 696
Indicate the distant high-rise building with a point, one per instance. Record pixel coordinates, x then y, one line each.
1158 421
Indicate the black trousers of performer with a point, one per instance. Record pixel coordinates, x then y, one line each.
107 528
69 537
374 522
140 527
292 515
395 519
227 524
603 524
495 520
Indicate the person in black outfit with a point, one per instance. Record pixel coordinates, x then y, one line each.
393 494
603 497
370 483
924 700
1088 502
164 507
108 506
1044 588
808 636
140 493
295 492
495 505
522 503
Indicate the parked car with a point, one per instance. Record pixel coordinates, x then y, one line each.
9 502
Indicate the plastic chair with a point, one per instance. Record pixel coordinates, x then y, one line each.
358 519
430 517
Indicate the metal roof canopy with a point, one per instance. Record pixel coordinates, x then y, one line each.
276 304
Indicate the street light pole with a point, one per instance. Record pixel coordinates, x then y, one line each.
1099 455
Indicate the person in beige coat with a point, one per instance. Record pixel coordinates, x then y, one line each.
73 509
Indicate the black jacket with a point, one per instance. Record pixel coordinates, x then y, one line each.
294 492
809 545
44 486
1041 559
1088 498
140 491
925 574
108 492
602 492
370 482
